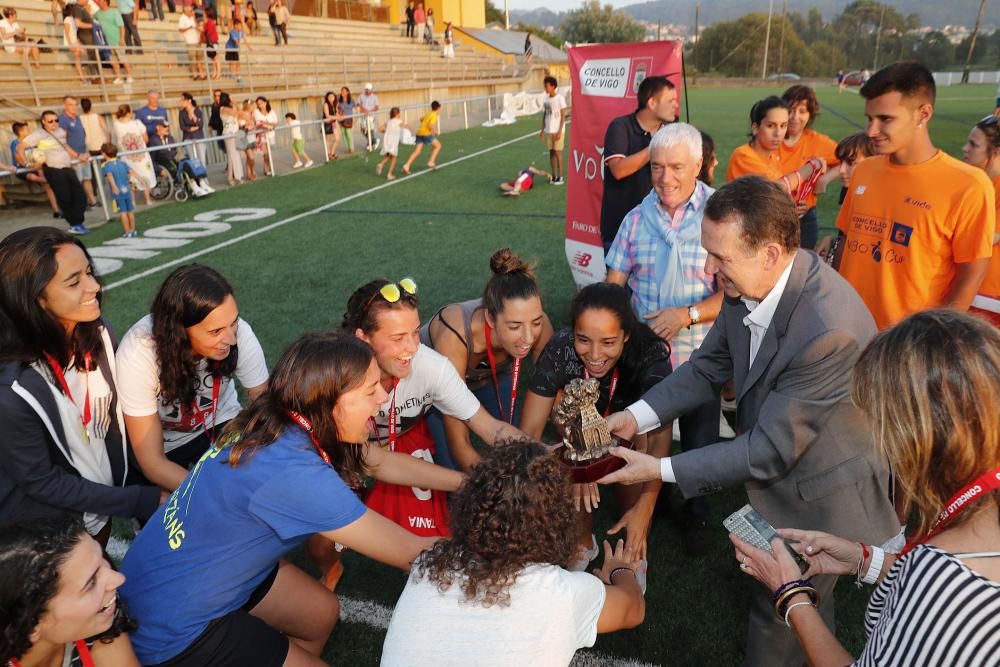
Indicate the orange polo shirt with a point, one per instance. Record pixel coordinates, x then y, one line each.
745 161
907 226
811 144
991 286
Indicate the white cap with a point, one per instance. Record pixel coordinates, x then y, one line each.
368 86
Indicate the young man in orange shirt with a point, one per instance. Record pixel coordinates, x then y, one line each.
919 224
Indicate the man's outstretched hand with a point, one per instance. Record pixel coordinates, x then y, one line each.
638 468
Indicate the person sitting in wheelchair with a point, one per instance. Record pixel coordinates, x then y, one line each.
186 171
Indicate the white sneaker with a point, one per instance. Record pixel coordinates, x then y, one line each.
197 190
207 188
117 81
297 164
309 163
129 79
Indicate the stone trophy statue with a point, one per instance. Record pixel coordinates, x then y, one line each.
586 438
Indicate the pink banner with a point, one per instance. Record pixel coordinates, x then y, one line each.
606 78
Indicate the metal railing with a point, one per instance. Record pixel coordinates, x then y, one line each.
281 68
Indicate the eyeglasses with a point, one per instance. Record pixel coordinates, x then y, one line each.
391 291
50 120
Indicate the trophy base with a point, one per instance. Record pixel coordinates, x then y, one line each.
585 472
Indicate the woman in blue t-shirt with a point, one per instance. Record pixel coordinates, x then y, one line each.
206 579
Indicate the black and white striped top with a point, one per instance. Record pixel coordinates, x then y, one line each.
932 610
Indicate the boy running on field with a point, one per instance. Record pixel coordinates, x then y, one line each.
427 134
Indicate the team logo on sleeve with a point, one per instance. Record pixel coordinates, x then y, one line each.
900 234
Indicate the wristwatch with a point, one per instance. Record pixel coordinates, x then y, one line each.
694 314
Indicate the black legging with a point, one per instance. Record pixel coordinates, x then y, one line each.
283 29
69 193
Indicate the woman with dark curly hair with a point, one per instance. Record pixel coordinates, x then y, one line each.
495 593
59 599
63 445
608 342
177 366
206 576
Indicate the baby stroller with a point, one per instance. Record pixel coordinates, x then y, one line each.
182 179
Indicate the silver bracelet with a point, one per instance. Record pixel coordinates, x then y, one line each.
793 606
875 566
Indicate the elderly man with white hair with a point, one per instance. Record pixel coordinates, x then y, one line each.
658 254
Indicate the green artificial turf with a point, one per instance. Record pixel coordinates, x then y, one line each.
440 229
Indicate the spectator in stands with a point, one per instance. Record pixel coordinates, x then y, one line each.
346 107
368 101
21 130
761 155
429 27
131 23
800 145
427 135
279 471
187 25
233 44
449 41
76 137
64 447
210 35
330 124
71 39
130 136
15 38
626 153
420 19
982 150
114 31
192 122
252 25
937 602
57 165
84 24
500 596
152 113
529 50
55 585
271 5
95 129
247 138
553 124
658 255
487 339
155 8
229 116
392 131
411 23
117 175
934 243
709 160
264 121
177 367
281 18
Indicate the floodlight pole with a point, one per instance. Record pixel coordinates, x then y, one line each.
506 14
767 37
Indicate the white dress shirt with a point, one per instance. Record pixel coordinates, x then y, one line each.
757 321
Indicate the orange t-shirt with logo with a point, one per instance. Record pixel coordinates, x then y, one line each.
991 285
907 226
745 161
811 144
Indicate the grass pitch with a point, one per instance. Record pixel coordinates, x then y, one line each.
440 229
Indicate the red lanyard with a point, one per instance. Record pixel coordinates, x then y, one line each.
61 377
515 376
958 502
611 391
392 419
199 415
81 649
307 426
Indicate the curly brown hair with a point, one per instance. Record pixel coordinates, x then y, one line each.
514 510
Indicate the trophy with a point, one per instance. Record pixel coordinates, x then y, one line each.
586 438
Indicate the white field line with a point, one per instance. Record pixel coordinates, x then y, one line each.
306 214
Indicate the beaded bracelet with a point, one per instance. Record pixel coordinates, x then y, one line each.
793 606
861 564
784 587
611 575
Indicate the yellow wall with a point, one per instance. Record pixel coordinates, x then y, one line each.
470 13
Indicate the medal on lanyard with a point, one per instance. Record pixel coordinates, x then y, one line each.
307 426
81 650
201 414
391 420
515 376
611 390
61 378
958 502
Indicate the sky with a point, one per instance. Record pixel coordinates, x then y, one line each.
556 5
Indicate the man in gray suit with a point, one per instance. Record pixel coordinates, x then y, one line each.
789 334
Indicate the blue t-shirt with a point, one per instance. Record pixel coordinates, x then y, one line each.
13 153
75 135
150 117
235 37
119 171
221 533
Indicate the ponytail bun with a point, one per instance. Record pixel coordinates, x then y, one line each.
504 262
512 278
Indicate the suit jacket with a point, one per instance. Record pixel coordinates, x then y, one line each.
805 453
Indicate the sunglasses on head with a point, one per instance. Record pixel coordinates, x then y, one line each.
989 120
392 292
